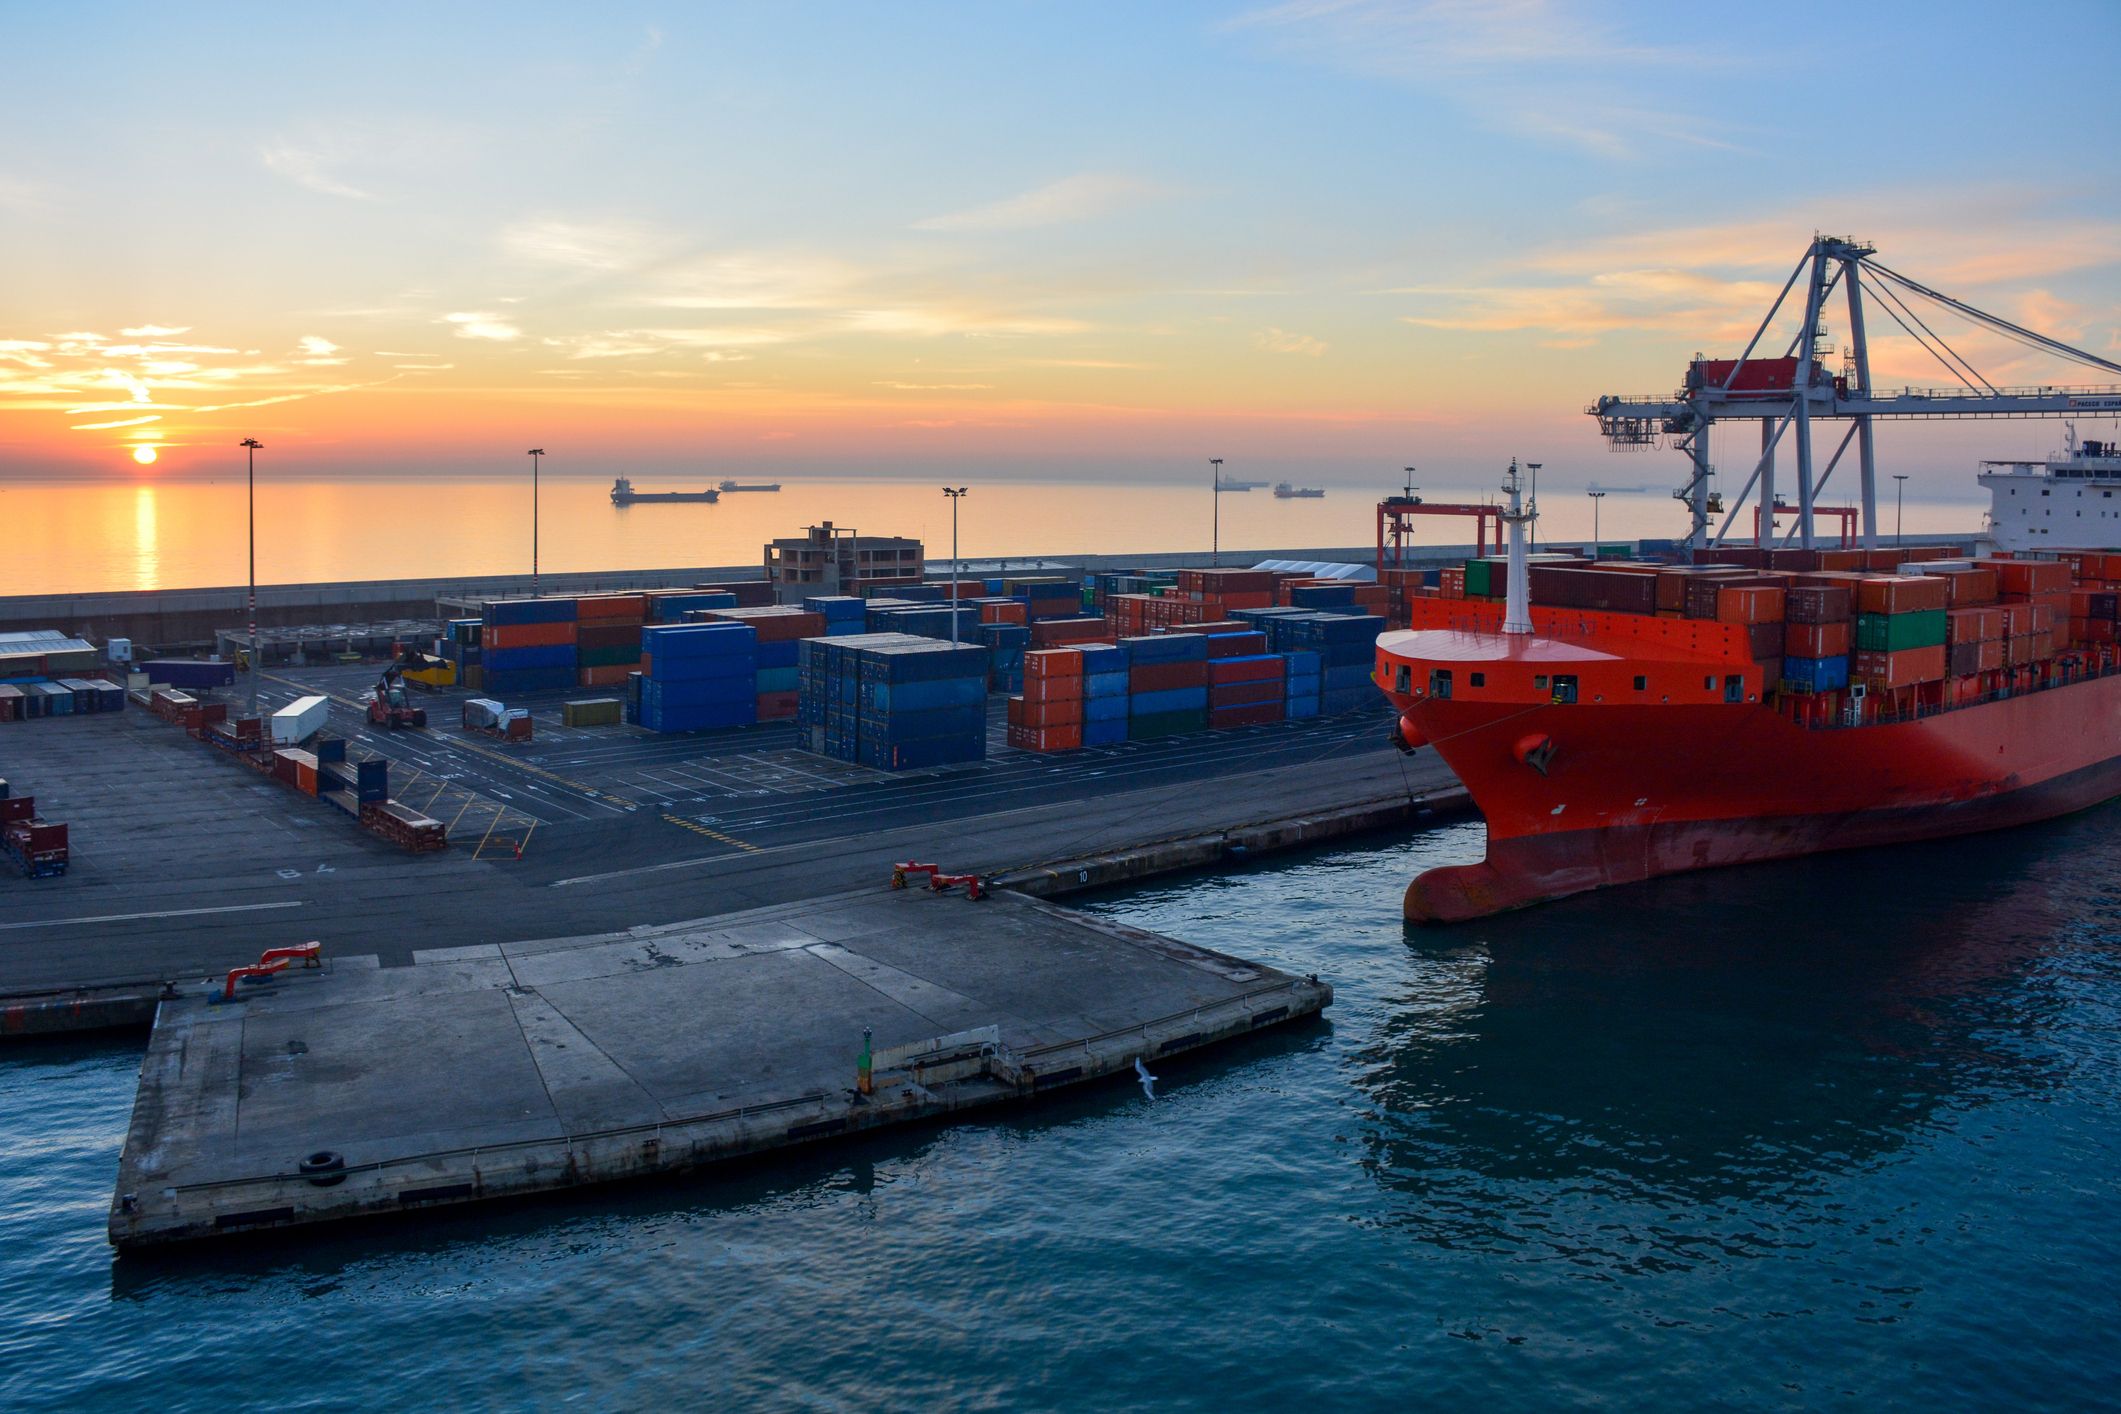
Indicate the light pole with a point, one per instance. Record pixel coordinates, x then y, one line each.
535 453
1899 493
1215 530
250 446
1596 497
956 494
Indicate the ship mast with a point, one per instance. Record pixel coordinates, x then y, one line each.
1517 608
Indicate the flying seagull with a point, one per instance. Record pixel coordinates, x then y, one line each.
1148 1080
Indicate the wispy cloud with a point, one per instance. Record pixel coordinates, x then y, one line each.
155 331
581 245
1281 341
305 168
468 325
1077 198
1541 68
933 387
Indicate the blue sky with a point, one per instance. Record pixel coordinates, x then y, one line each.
1037 239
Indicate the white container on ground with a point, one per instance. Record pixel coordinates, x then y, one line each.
299 718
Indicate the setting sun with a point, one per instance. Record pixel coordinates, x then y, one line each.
144 455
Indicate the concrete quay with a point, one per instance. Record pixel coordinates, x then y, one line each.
505 1070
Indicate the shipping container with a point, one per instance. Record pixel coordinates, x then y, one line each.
300 718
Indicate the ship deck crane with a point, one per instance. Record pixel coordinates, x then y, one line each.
1786 395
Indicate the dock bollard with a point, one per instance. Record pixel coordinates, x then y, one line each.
862 1079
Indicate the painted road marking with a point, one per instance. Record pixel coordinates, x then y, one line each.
697 828
165 913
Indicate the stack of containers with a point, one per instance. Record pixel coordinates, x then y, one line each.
1003 611
894 701
1047 596
608 638
1818 635
775 687
1059 633
1247 686
844 614
1758 609
1104 694
528 645
1167 685
1974 640
1346 645
2040 589
699 675
1304 683
459 643
1005 643
1049 714
1900 631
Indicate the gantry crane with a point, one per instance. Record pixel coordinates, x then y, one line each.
1794 390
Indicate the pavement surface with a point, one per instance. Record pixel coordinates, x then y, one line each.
485 1071
187 863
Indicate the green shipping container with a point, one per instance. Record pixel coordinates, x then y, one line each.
1480 577
1890 633
617 657
1161 724
1614 552
591 712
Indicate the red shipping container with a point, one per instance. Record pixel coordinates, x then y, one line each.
1901 594
1262 669
608 675
1820 640
1048 633
1162 677
1012 612
1257 714
1046 738
1841 559
777 706
2017 620
1973 625
2021 650
1749 605
1992 655
2094 631
1969 587
1902 669
607 635
612 606
17 807
1054 663
1068 690
775 624
527 635
1244 694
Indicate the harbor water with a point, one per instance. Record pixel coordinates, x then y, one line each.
1839 1132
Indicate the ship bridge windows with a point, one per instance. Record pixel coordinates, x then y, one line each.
1440 682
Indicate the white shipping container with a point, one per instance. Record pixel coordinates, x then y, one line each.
482 712
298 719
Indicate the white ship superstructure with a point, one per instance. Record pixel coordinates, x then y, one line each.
2070 501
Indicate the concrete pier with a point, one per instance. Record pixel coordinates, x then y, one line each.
487 1071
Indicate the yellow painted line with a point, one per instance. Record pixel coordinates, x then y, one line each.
697 828
524 843
469 798
429 807
489 832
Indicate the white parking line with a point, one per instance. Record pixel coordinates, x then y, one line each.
165 913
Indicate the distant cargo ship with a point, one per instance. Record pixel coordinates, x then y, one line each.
751 486
623 494
1285 492
1239 485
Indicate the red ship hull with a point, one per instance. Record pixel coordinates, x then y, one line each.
1589 794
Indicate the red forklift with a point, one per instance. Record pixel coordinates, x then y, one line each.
389 706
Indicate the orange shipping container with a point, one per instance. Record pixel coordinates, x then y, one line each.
1969 587
1054 663
2017 619
1992 655
1029 712
1068 690
1902 669
2030 576
1973 625
608 675
2020 650
528 635
1901 594
1752 604
1046 738
1013 612
1819 640
1841 559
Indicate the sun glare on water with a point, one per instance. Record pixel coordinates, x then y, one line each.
144 455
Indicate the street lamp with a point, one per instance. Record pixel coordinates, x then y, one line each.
251 446
1215 531
534 454
1596 497
956 494
1899 493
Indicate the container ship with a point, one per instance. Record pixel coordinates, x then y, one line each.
1617 721
1284 491
751 486
623 494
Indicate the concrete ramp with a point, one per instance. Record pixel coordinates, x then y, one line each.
502 1070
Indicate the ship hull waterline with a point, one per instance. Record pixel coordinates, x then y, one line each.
1633 793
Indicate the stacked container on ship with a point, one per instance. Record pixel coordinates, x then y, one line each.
1623 721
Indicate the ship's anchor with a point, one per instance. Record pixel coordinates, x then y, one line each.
1535 751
